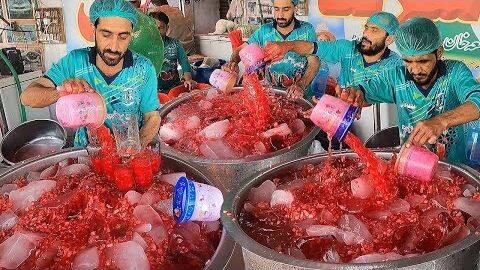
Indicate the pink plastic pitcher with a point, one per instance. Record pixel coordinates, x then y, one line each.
334 116
81 110
252 56
223 80
417 162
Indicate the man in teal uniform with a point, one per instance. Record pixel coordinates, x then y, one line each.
127 81
360 60
295 72
434 97
173 55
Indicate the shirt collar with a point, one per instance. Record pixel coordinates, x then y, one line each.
127 60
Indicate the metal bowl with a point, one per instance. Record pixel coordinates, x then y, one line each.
460 255
32 139
226 246
225 174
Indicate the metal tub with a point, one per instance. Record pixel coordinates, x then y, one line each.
461 255
225 248
226 174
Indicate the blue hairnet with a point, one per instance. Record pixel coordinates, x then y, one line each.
417 36
386 21
113 8
295 2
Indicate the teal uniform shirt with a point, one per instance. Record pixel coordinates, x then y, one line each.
454 86
291 68
131 91
354 69
174 54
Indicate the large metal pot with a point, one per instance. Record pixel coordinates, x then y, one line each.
385 138
226 246
226 174
461 255
31 139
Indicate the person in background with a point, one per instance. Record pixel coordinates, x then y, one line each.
294 72
360 60
127 81
434 97
174 54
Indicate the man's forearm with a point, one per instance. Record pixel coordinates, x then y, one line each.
312 68
39 96
301 47
235 57
150 128
464 113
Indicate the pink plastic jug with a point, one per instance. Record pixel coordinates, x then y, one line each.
81 110
417 162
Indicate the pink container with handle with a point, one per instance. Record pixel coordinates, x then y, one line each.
81 110
252 56
333 116
417 162
223 80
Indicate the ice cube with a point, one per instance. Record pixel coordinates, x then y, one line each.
377 257
379 214
133 197
164 206
350 223
84 160
46 258
205 105
33 176
361 187
248 207
414 200
15 250
193 122
217 149
296 252
322 230
439 201
158 234
457 234
280 130
172 178
216 130
469 206
128 255
399 206
74 169
263 193
22 197
468 190
260 148
189 230
327 216
147 214
64 163
281 197
87 259
331 256
7 188
8 219
49 172
150 197
443 173
298 126
210 226
143 228
170 133
211 93
139 239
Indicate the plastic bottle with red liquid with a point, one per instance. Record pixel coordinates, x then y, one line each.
142 171
124 177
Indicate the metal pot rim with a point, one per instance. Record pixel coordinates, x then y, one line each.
64 132
172 151
230 205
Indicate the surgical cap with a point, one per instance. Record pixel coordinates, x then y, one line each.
417 36
386 21
295 2
113 8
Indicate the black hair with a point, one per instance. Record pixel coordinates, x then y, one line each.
160 16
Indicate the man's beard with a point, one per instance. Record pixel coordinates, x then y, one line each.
109 61
428 79
284 23
374 49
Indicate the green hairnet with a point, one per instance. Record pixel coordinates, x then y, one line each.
386 21
295 2
113 8
417 36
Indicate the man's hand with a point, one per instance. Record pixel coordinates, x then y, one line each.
74 86
427 131
351 95
295 91
275 51
231 67
190 84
